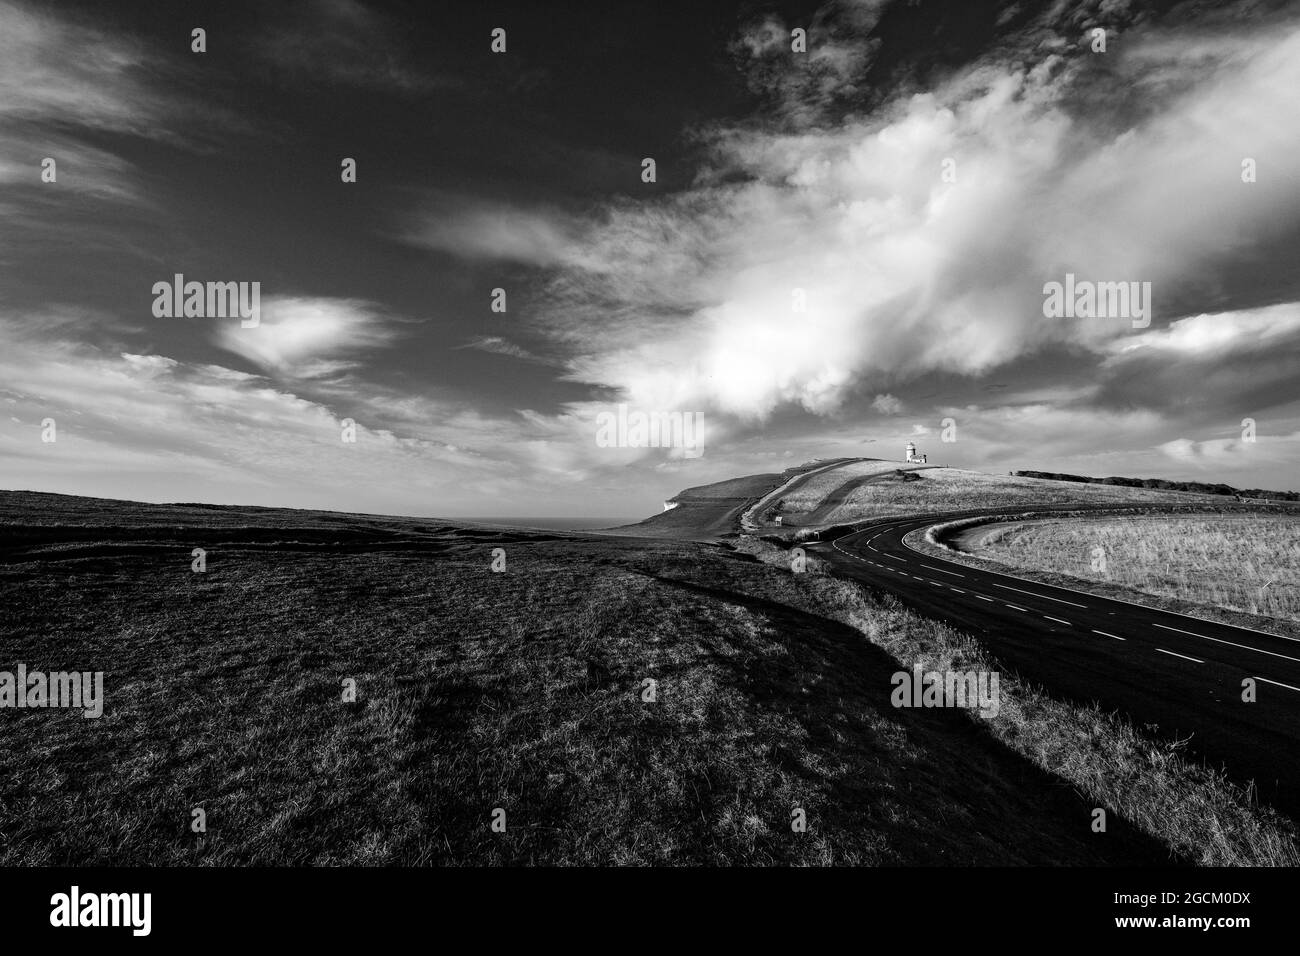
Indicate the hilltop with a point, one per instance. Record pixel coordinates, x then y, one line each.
830 492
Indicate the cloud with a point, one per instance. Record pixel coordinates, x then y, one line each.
308 338
101 86
344 42
499 346
1209 369
498 230
1215 334
154 427
49 101
1228 456
685 301
71 88
830 72
887 404
145 425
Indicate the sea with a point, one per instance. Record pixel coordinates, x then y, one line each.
554 524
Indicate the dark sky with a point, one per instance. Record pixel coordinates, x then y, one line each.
820 174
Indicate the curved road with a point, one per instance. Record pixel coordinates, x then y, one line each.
1159 667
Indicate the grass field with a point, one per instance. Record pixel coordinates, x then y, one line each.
809 494
1239 563
524 691
952 489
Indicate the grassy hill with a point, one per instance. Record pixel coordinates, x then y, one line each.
524 691
712 512
1241 569
895 489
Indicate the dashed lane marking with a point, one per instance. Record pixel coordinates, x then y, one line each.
1244 647
1037 595
942 571
1183 656
1277 683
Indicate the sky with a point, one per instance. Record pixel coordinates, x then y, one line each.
844 247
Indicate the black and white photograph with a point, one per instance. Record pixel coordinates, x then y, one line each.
608 453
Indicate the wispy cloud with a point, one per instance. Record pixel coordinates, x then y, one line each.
498 230
308 338
217 433
499 346
344 42
689 301
104 85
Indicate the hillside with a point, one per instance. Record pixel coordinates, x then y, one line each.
519 690
712 512
526 691
824 493
846 495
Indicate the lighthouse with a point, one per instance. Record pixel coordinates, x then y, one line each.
912 457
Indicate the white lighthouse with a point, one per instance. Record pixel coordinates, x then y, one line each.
912 457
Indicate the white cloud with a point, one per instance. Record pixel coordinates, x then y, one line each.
65 81
887 404
1228 456
100 86
303 337
499 346
149 426
686 301
497 230
1218 333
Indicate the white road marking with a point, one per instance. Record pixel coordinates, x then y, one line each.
1116 637
1183 656
1277 683
1112 600
942 571
1043 596
1244 647
1179 630
1057 620
958 590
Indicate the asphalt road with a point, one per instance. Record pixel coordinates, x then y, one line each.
1180 673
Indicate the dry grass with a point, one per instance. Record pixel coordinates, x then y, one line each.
1196 811
476 690
1239 563
523 690
951 489
811 493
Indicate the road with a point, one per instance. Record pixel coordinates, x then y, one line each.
1181 673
